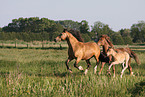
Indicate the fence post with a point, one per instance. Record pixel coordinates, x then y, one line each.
42 44
15 43
27 45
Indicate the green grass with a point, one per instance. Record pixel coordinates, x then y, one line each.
36 72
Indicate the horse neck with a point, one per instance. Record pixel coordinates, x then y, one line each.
72 41
113 53
105 48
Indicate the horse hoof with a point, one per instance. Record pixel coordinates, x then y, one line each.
70 71
80 68
132 74
108 72
95 71
99 73
86 71
121 76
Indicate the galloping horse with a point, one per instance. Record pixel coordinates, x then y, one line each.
118 58
79 50
106 43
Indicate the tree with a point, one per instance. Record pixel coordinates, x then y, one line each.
125 33
138 32
69 24
101 28
84 28
0 29
117 39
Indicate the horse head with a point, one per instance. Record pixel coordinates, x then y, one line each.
105 40
62 36
110 51
102 41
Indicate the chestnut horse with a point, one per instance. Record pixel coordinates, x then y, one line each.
106 43
79 50
118 58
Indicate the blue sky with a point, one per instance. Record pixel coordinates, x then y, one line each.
117 14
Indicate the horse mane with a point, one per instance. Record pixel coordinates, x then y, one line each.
77 35
108 40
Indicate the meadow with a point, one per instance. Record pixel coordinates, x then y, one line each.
42 72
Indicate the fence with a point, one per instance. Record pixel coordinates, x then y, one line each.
34 44
54 45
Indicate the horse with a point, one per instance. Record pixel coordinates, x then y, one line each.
79 51
106 43
118 57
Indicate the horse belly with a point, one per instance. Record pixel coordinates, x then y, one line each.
121 58
87 56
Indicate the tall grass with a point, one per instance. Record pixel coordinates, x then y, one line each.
31 72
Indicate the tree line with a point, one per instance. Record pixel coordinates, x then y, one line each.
35 28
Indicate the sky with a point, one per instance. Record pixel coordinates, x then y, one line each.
118 14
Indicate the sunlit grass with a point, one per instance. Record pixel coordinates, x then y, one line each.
36 72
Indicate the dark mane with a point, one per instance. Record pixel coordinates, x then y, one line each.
108 40
77 35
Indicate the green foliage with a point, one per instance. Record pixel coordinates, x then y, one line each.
117 39
33 24
139 89
125 33
84 28
35 28
86 37
69 24
101 28
0 29
138 32
127 40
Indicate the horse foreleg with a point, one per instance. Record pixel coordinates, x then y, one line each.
101 67
114 70
97 63
66 63
113 63
89 64
75 64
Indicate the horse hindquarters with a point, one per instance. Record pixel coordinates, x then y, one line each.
127 59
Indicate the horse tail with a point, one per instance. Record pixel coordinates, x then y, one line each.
133 55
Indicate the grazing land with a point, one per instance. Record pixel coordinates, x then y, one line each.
42 72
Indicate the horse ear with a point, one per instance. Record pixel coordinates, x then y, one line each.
64 30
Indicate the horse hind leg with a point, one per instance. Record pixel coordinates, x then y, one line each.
103 63
89 64
129 67
123 64
124 68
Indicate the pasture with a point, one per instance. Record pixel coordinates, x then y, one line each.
42 72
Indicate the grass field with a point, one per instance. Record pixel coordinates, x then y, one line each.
42 72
